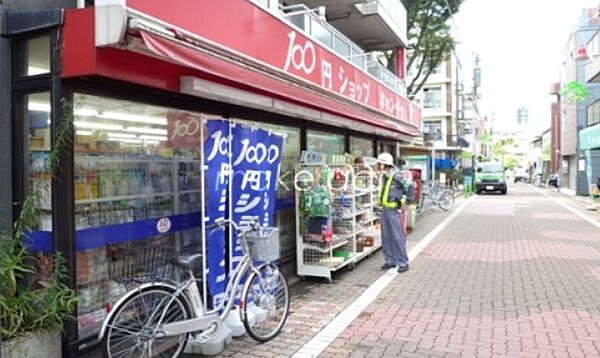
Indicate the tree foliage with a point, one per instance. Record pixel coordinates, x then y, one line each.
429 38
500 150
574 92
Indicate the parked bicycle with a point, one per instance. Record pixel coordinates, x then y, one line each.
438 195
156 318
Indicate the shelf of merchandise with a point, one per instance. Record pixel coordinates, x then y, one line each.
120 198
320 260
92 311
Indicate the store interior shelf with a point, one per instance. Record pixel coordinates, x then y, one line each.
189 191
124 197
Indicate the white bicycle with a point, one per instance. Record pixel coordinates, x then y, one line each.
156 318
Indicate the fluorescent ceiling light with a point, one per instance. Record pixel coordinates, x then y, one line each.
110 127
121 135
35 106
84 132
152 142
146 130
152 137
134 118
86 112
132 141
33 70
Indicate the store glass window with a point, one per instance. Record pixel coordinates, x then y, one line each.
136 173
324 142
38 144
360 147
34 56
285 215
593 115
433 98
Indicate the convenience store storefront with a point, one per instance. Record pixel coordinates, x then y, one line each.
131 78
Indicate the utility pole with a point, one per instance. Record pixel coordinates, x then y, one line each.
475 97
457 93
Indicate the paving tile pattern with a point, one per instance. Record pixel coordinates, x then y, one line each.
512 276
315 303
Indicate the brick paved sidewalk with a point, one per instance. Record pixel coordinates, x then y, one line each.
315 303
512 276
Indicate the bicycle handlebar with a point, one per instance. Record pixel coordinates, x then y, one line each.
219 223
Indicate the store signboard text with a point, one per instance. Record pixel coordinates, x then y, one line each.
286 49
184 130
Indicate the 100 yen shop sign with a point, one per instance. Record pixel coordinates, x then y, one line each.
184 130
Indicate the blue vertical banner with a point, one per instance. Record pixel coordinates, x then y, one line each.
256 163
216 170
241 171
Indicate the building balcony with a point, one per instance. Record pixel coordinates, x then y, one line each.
375 25
447 141
592 68
313 25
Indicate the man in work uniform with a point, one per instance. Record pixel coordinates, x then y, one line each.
393 188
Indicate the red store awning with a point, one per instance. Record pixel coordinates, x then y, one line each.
165 57
188 56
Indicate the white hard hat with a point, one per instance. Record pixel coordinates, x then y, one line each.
386 159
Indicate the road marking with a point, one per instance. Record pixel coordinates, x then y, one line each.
571 209
329 333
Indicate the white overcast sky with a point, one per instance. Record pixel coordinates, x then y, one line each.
519 43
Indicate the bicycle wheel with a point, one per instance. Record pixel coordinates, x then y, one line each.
130 331
266 303
446 200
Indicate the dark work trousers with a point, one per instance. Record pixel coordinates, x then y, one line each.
392 239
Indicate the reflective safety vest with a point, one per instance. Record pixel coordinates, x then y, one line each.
384 192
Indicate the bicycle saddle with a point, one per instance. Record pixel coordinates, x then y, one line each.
188 262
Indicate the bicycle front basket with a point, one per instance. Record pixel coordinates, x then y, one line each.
137 264
264 244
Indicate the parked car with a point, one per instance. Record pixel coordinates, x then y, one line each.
491 176
521 174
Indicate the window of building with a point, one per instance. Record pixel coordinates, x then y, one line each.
324 142
37 177
433 131
132 167
39 145
593 114
432 98
360 147
34 56
437 70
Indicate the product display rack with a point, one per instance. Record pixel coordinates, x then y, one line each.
121 191
348 234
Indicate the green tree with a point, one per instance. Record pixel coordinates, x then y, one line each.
429 38
500 150
574 92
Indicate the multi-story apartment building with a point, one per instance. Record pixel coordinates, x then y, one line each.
589 136
151 82
574 116
451 119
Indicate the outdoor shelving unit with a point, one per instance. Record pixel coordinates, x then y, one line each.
351 220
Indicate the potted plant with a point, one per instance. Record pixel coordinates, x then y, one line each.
33 306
